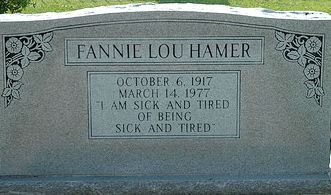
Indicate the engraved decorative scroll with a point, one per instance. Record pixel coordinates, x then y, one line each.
20 51
307 51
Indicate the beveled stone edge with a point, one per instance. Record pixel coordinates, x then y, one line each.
184 7
250 184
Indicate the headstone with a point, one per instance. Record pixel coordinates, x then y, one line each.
165 90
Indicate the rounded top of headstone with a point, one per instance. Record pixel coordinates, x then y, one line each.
144 7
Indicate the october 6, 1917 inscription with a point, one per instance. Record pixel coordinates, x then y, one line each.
164 104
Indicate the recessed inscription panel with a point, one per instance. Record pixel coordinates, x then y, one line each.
210 50
164 104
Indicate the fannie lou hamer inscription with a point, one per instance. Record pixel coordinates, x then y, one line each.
94 51
164 104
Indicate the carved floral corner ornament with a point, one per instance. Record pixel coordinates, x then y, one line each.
307 52
20 51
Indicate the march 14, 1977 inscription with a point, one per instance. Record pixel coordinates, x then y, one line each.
164 104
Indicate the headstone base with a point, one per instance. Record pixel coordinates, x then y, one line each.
255 184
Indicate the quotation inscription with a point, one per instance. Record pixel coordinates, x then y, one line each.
166 104
234 50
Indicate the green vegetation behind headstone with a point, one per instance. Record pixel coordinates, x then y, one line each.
40 6
12 6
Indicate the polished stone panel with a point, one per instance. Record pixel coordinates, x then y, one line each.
163 90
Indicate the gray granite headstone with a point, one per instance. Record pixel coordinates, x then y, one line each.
159 90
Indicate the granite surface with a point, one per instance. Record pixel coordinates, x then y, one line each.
165 92
266 184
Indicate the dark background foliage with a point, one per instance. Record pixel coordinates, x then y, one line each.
12 6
